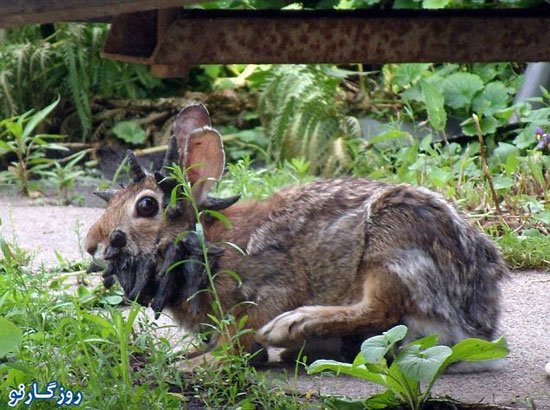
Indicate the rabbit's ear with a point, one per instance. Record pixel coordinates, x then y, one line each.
189 119
201 149
204 161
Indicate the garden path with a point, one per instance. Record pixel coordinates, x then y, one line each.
43 230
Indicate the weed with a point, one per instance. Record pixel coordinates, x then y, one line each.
18 137
416 364
63 177
526 250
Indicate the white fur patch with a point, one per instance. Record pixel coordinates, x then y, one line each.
420 327
285 330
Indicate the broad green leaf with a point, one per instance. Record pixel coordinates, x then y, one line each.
439 177
459 89
435 4
356 371
375 348
502 182
492 99
406 74
113 300
488 126
393 134
382 400
543 217
525 139
10 336
38 118
487 72
345 403
422 365
400 384
531 233
426 144
406 4
130 132
434 105
478 349
504 151
425 342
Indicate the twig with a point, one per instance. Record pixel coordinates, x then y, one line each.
79 145
485 166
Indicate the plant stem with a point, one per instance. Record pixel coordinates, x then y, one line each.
485 166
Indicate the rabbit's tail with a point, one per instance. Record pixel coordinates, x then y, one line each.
449 300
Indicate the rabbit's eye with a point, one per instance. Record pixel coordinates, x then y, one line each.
147 207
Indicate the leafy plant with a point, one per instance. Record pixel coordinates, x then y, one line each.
417 363
130 132
63 176
37 66
300 116
252 182
483 89
18 137
10 336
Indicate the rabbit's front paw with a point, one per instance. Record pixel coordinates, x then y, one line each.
286 330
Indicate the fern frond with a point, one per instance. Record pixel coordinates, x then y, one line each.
301 117
77 86
9 107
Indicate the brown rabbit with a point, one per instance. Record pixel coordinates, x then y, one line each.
331 258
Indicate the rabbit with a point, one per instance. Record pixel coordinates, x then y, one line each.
332 258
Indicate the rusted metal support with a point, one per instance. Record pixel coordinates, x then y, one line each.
19 12
335 36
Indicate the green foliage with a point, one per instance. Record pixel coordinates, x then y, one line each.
300 116
18 136
10 336
130 132
64 176
260 183
36 68
417 363
484 89
434 105
116 358
526 250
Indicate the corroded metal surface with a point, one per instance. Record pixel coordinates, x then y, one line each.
132 37
15 13
203 37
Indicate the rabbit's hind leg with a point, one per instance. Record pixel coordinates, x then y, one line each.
383 305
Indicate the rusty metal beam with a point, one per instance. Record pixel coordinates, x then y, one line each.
373 36
20 12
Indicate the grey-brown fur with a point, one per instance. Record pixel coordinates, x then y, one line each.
341 257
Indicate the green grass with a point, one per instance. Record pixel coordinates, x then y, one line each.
527 251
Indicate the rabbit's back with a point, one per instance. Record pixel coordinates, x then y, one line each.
324 237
